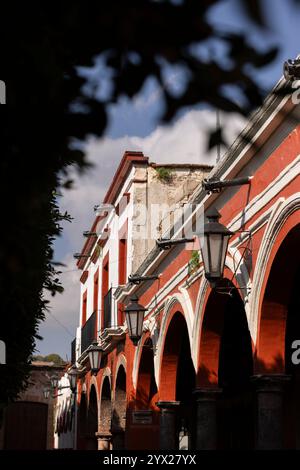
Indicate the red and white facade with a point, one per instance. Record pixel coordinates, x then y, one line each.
215 368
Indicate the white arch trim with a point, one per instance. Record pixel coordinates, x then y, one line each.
282 210
106 373
93 382
139 349
121 362
189 318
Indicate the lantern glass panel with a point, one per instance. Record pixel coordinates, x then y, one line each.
95 359
215 252
224 251
204 251
128 321
133 320
140 322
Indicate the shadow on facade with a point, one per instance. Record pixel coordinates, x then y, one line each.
227 365
279 328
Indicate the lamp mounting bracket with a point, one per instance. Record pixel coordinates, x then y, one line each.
167 243
88 234
214 185
227 290
80 256
138 279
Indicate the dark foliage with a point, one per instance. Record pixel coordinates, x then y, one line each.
41 45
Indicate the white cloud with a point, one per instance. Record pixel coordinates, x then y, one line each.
183 142
186 141
62 320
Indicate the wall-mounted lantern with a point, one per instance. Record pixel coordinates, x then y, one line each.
73 374
134 318
213 245
95 355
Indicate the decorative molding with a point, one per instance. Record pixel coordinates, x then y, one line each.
84 276
289 173
96 253
199 312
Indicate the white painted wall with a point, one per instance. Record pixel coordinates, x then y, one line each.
64 440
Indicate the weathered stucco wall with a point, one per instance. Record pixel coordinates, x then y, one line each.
159 194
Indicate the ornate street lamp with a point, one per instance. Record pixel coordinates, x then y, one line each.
134 318
213 245
73 373
54 379
95 354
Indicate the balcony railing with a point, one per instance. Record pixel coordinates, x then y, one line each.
107 310
88 332
73 351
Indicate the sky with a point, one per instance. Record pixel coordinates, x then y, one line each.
134 125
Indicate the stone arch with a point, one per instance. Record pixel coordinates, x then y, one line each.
105 403
283 210
146 388
175 304
118 425
121 362
276 309
82 422
93 383
204 291
277 286
222 315
226 364
92 418
177 378
151 331
175 340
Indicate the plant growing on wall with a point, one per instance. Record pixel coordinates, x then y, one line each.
164 174
194 261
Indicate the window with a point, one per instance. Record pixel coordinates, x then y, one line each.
95 299
122 261
84 305
122 266
105 279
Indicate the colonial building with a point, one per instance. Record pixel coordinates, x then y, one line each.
120 239
216 364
